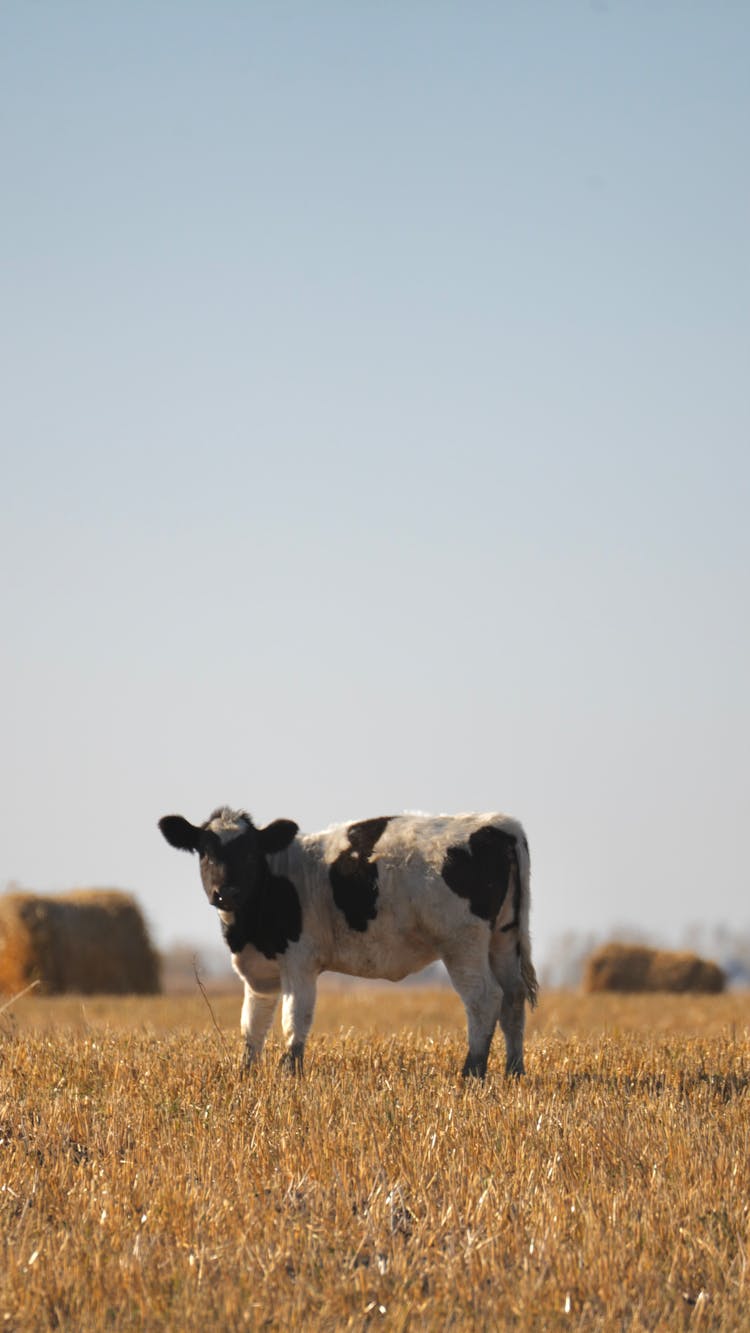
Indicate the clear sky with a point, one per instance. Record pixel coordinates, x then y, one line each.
375 435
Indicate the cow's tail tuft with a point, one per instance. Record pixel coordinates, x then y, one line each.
528 975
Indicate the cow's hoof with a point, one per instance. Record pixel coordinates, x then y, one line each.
291 1060
475 1066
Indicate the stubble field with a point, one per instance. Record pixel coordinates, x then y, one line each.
145 1185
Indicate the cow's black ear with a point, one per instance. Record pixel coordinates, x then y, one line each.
278 835
180 833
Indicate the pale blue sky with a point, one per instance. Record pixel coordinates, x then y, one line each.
375 431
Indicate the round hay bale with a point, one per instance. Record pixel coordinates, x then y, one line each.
634 967
87 940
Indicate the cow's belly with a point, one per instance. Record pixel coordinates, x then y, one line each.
364 955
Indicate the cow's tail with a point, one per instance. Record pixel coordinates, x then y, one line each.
523 871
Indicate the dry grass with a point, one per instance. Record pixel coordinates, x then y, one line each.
143 1185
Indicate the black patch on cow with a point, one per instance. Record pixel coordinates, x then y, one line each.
270 920
481 872
354 875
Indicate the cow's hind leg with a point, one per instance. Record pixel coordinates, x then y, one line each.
506 967
513 1022
472 977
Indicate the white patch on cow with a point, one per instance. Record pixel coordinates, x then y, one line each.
229 824
229 834
226 917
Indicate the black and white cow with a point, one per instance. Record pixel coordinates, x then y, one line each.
377 898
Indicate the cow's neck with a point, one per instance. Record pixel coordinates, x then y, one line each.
268 920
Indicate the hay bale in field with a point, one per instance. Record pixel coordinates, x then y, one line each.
634 967
87 940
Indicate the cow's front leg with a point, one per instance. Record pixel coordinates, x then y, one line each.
297 1011
257 1016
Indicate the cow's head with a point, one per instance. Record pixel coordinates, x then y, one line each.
232 852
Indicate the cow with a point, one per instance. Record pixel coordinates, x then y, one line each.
377 898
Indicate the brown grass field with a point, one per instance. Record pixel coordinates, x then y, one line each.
145 1185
